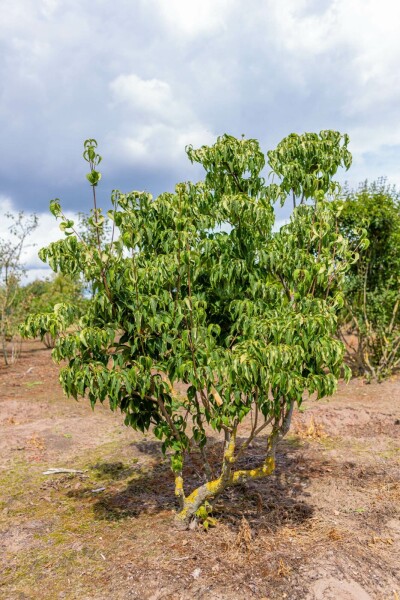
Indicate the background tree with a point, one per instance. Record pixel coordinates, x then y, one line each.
199 290
41 296
89 231
370 319
94 230
12 304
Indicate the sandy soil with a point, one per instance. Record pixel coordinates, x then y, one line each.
325 526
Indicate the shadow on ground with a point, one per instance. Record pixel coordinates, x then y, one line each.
269 503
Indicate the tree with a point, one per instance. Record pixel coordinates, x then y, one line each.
11 271
198 289
372 291
42 296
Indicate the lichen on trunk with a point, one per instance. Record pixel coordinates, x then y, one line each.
189 505
196 499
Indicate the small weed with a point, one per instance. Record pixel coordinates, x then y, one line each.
204 515
31 384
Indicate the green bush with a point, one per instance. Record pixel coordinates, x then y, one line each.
41 296
372 287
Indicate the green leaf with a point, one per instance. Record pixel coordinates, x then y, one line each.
55 207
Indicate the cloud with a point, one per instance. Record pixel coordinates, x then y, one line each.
6 206
46 232
194 18
151 96
145 78
359 36
155 123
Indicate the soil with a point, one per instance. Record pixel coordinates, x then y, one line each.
325 526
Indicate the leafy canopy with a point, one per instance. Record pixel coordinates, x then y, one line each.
198 289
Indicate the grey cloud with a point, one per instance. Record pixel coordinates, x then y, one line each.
261 70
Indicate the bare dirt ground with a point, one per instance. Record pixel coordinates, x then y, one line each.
325 526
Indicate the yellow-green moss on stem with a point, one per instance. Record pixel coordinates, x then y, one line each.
212 488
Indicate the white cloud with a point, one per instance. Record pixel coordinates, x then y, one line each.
373 138
151 96
49 7
46 232
365 31
195 17
297 29
148 145
155 123
6 206
34 273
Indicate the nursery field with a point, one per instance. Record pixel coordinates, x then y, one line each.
325 526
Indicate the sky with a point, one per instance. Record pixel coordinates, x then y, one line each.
147 77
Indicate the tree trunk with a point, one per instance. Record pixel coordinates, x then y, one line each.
192 503
189 505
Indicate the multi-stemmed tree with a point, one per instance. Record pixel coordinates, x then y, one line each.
197 288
